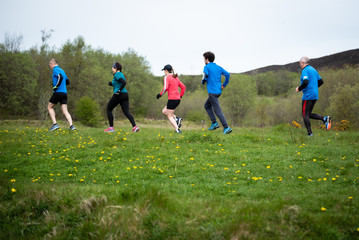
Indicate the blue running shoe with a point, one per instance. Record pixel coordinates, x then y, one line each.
310 135
72 128
179 122
54 127
227 130
327 122
214 126
178 131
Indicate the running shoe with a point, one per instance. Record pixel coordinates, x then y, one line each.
178 131
179 122
214 126
227 130
135 129
54 127
310 135
327 122
110 129
72 128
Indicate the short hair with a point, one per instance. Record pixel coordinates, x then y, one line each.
304 59
209 55
53 60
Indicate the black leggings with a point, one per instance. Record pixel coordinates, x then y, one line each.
122 99
307 108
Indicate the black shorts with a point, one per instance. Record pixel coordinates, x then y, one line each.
58 97
172 104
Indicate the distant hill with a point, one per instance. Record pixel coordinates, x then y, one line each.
337 60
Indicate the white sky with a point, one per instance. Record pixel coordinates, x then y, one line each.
244 35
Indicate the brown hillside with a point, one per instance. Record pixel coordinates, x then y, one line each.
337 60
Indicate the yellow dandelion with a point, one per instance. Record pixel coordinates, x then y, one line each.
13 190
323 209
12 180
350 197
5 170
268 166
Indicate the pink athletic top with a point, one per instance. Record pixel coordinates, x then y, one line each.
171 84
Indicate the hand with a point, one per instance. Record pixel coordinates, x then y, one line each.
110 83
222 87
297 89
204 81
54 89
158 96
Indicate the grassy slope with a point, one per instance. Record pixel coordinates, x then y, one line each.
271 183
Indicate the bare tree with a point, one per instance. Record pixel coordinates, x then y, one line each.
13 42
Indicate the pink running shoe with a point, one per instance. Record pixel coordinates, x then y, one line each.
110 129
135 129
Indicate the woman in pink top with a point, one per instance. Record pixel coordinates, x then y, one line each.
171 84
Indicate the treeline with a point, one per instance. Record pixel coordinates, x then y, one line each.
249 100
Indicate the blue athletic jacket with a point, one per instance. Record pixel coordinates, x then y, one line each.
59 79
310 92
212 74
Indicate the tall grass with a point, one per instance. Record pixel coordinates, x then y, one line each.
256 183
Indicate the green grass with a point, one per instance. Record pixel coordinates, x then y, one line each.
256 183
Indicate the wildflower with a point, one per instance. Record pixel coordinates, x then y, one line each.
70 175
5 170
350 197
323 209
12 180
82 180
13 190
268 166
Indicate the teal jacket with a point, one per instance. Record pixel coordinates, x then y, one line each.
118 82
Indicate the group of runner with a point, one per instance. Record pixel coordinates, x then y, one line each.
212 74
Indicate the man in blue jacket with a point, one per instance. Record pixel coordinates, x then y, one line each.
212 74
59 82
310 82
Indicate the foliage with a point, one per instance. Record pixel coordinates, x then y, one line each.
238 97
275 83
249 100
267 183
88 112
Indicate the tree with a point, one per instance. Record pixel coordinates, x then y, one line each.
238 97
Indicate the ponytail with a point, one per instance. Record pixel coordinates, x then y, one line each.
117 66
174 74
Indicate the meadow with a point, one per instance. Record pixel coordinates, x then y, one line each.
255 183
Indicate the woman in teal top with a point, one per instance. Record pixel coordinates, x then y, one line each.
120 96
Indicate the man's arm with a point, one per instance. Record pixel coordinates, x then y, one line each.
205 75
304 85
59 81
320 82
227 76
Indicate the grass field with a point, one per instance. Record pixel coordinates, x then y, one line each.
256 183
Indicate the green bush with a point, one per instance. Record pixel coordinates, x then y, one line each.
88 112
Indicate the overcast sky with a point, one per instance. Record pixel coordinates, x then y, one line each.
244 35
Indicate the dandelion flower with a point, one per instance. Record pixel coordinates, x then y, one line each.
13 190
268 166
12 180
323 209
350 197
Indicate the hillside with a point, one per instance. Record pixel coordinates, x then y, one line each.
337 60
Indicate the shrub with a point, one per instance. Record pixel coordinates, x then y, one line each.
88 112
